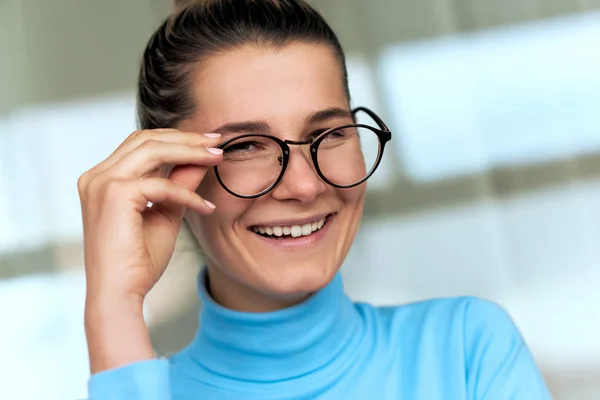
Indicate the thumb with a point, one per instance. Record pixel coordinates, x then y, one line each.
188 176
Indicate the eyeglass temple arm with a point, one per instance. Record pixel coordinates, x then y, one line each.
374 116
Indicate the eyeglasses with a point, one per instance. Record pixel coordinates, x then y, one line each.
343 157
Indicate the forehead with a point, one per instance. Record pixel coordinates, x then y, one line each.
281 86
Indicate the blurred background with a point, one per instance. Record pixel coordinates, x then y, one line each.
491 186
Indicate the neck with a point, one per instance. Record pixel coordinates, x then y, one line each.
231 294
314 335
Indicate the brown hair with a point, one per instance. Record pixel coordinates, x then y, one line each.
198 29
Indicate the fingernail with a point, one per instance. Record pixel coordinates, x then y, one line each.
211 205
213 150
212 135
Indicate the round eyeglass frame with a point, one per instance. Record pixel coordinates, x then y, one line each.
383 134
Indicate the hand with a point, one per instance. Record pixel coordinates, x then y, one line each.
127 244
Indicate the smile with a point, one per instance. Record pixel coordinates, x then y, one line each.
294 231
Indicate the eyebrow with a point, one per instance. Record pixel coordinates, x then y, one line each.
327 114
261 126
258 126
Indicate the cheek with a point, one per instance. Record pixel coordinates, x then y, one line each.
213 229
354 197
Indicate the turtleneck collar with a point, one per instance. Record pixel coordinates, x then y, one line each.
279 345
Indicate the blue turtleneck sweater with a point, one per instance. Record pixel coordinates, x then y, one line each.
331 348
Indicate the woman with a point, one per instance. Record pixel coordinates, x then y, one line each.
247 140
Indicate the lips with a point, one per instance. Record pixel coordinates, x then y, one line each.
293 230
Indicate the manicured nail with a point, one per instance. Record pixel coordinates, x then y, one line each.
211 205
212 135
213 150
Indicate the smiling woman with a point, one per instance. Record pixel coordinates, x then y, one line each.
248 137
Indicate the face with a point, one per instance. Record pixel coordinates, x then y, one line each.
286 90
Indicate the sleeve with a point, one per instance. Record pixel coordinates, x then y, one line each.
498 363
145 380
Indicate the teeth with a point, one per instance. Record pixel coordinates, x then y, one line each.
306 229
296 231
293 230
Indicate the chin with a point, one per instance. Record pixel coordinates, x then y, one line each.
300 280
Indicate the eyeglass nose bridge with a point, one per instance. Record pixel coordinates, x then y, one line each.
299 143
286 150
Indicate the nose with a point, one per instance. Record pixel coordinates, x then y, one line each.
300 181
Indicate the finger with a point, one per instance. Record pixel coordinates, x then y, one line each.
155 154
188 176
170 197
138 138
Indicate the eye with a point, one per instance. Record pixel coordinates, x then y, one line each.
339 134
317 133
241 147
